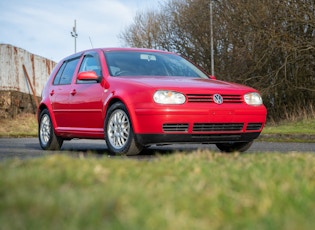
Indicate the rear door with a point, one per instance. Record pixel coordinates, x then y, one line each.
61 93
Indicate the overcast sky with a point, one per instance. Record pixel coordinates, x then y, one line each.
43 27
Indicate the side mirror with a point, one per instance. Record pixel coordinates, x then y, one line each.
88 76
212 77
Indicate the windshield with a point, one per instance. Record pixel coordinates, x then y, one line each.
131 63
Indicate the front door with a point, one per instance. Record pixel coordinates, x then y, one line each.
86 104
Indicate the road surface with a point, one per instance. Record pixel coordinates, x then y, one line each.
29 147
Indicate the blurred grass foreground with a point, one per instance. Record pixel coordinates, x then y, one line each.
197 190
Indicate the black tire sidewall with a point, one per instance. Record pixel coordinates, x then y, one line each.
234 147
54 142
43 145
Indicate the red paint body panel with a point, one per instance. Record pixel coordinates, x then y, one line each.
78 110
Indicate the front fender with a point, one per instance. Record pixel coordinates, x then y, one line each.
132 100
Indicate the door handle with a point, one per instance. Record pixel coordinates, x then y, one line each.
52 92
73 92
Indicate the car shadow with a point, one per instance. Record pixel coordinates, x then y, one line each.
98 149
103 152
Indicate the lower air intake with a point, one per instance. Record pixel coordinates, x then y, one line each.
217 127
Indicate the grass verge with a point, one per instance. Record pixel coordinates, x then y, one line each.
290 131
305 126
200 190
23 125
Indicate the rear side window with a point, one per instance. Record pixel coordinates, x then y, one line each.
58 75
65 73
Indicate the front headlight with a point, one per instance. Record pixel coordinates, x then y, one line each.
253 99
169 97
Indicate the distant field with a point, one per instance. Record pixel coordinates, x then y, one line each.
199 190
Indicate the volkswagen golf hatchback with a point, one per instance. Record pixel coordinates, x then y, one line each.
134 98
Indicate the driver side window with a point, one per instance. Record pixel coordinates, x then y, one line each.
91 63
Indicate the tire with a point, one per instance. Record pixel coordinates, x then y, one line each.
234 147
118 132
46 134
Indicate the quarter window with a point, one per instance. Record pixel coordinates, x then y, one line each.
58 75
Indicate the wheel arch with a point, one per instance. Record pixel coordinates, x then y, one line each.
42 107
125 142
129 106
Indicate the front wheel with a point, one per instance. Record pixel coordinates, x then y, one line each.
46 135
234 147
118 131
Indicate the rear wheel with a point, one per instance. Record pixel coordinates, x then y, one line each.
234 147
119 135
46 135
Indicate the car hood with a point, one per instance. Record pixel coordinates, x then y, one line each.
186 83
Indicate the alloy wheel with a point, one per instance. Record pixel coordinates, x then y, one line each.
118 129
45 128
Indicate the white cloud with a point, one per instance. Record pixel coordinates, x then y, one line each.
43 27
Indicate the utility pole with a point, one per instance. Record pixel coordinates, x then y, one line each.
75 35
211 39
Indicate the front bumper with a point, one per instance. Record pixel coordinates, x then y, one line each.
149 139
199 120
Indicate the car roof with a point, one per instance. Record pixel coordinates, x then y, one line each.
134 49
113 49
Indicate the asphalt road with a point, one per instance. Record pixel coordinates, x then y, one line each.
29 147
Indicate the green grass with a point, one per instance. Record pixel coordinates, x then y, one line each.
199 190
23 125
305 126
290 131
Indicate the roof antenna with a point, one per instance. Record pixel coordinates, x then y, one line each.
91 42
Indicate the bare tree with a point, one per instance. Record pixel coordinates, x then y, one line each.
267 44
143 32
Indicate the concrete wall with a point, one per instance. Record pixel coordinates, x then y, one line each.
15 92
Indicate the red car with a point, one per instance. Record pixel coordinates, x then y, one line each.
134 98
